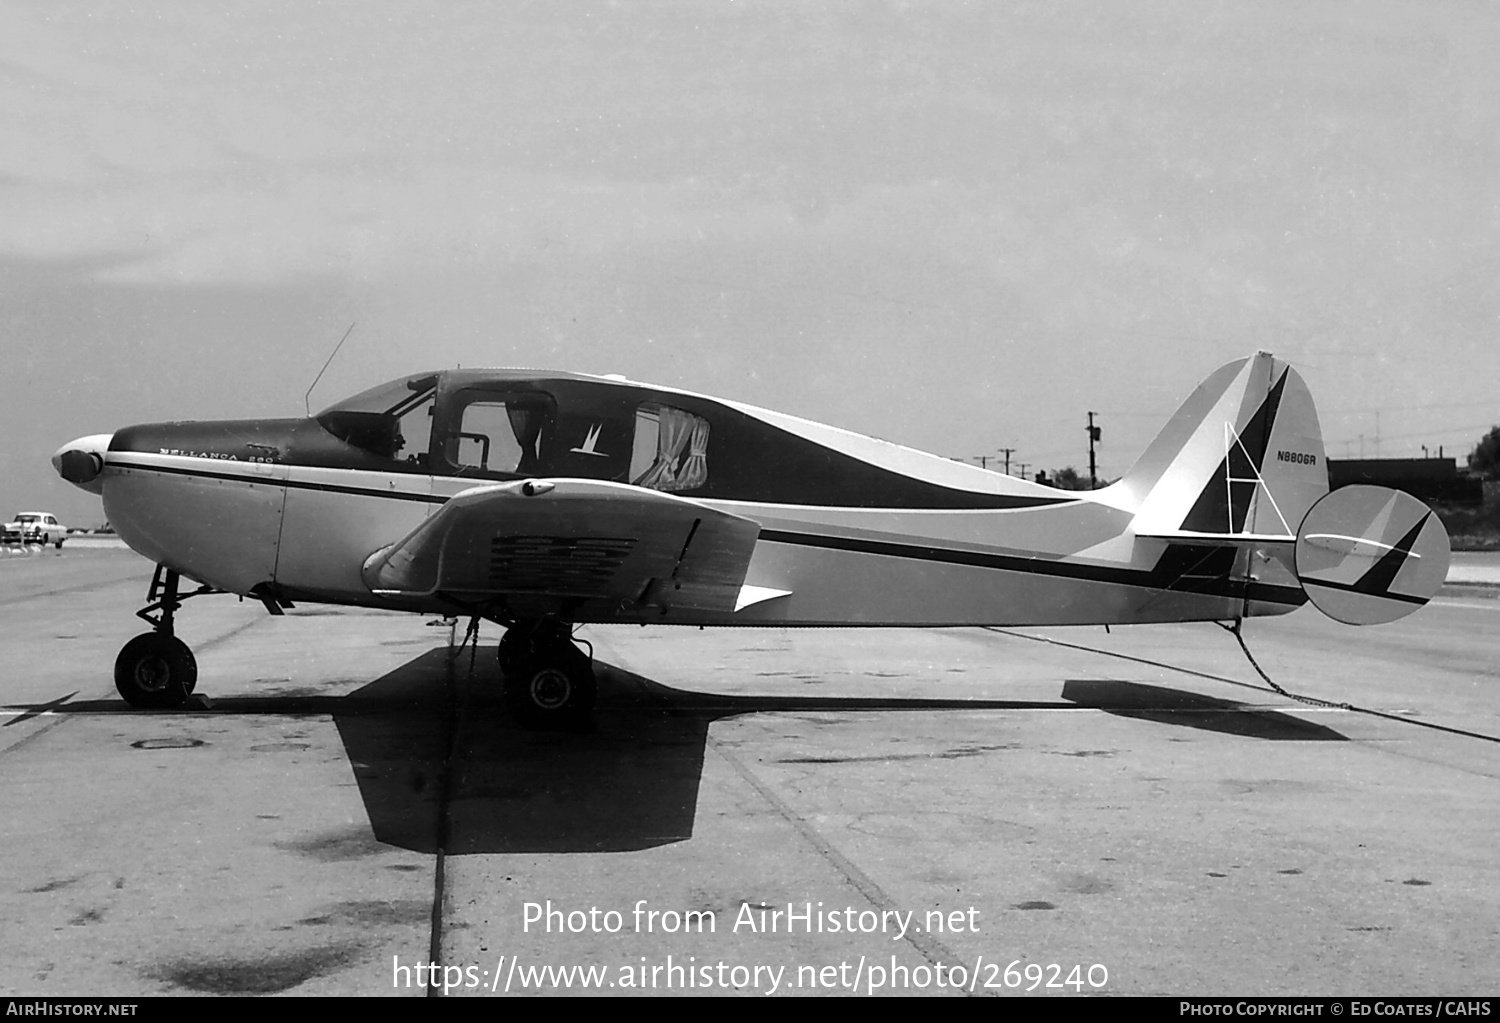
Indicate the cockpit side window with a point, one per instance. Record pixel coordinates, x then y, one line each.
671 449
499 434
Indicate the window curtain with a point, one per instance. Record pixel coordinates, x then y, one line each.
674 429
526 424
695 470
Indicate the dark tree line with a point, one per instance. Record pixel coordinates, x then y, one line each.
1068 479
1485 459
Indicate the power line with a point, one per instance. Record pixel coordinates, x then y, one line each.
1492 403
1164 415
1436 432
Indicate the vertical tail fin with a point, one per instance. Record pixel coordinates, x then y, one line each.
1243 457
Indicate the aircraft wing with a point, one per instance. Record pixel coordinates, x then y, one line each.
553 545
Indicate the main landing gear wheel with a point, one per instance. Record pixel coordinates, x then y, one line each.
155 670
514 646
548 680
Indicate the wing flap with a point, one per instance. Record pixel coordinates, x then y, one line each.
573 540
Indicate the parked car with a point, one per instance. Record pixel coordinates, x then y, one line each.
35 527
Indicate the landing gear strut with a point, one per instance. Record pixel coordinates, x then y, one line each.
548 679
156 669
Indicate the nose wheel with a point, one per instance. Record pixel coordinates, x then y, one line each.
156 670
548 680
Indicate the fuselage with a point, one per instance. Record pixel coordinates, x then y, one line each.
854 531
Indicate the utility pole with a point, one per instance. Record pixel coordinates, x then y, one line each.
1007 452
983 461
1094 435
1023 466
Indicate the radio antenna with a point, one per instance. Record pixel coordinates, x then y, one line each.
335 351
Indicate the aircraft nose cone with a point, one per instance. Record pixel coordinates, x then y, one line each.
81 461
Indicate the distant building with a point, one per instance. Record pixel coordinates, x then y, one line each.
1434 480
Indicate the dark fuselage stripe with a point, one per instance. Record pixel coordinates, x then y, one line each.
273 481
1036 566
1363 591
399 495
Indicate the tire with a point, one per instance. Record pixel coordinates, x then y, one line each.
154 671
513 648
58 545
552 690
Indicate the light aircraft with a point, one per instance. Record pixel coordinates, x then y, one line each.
542 501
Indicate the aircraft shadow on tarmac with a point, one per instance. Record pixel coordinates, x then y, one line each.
1192 710
626 780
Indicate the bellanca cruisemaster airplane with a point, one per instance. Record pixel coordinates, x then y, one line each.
542 501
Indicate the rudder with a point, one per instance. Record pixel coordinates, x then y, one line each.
1242 458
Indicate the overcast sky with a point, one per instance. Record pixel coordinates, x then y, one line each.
957 226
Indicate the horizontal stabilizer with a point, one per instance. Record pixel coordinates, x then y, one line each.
1360 545
1202 539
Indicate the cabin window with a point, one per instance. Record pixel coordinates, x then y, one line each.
671 449
500 435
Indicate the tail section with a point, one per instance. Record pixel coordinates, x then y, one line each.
1242 465
1241 460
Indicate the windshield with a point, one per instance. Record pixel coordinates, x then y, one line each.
28 518
389 421
395 397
